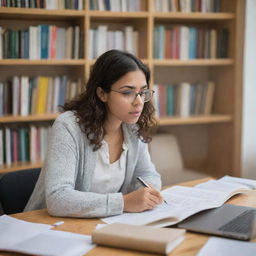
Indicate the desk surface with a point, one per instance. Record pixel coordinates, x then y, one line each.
191 245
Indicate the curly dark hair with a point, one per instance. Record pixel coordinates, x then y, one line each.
91 111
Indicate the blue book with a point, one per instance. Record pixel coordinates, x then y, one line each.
161 39
192 100
26 44
156 42
44 30
62 91
192 43
170 100
107 5
22 144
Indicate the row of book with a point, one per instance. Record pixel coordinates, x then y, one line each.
187 5
41 42
184 99
102 40
185 42
36 95
23 144
116 5
44 4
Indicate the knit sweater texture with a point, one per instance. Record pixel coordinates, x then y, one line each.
64 183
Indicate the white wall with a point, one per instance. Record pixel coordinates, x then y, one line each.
249 94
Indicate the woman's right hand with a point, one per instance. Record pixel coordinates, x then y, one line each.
142 199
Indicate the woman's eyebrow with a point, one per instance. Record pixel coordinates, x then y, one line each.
133 87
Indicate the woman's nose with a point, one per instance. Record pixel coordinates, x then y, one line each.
138 100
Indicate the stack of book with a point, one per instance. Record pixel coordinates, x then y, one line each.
184 100
41 42
102 40
36 95
45 4
187 5
23 144
183 42
116 5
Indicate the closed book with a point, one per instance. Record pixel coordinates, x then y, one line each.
1 147
142 238
42 95
209 98
44 30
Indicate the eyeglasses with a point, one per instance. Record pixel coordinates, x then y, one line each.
131 95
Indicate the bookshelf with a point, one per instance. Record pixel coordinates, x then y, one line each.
209 143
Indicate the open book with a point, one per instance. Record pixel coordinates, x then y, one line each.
142 238
183 202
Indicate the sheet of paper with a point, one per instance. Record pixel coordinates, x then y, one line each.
13 231
38 239
54 243
223 247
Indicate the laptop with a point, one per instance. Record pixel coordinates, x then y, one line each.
232 221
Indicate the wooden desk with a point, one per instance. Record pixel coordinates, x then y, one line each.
193 242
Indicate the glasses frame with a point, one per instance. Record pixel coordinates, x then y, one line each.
138 93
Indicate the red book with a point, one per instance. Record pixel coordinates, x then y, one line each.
162 99
167 44
14 146
53 40
176 53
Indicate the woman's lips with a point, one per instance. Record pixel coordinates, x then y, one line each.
135 113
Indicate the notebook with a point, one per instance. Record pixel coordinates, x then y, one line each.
231 221
141 238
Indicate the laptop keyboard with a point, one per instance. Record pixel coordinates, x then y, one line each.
241 224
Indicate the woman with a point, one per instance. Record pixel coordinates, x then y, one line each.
98 146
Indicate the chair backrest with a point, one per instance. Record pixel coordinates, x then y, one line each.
16 189
165 154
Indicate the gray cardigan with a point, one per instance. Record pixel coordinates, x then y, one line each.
64 182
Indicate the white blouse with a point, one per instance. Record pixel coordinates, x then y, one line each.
108 177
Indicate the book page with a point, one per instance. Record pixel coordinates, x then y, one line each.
142 218
228 188
186 201
248 182
181 203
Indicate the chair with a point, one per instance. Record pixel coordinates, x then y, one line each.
165 154
16 188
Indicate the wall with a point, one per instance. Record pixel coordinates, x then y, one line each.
249 94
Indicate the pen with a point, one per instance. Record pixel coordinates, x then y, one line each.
58 223
145 184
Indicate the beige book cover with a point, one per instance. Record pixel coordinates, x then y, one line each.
142 238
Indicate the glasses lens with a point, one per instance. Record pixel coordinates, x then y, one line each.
147 95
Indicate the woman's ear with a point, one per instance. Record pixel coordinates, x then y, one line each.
101 94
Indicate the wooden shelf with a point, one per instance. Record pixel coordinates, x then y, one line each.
31 118
145 61
193 16
115 15
19 166
164 121
28 13
43 62
193 62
